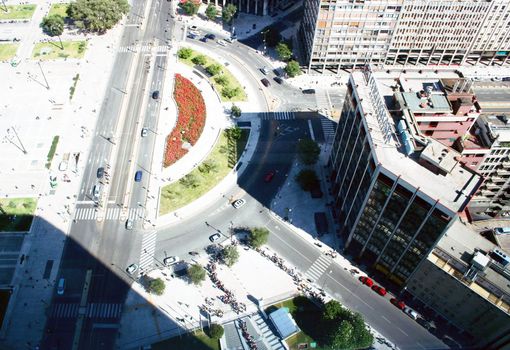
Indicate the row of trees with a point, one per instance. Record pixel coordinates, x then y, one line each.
190 8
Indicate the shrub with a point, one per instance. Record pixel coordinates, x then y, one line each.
196 273
185 53
235 111
229 92
222 80
156 286
216 331
292 69
199 60
214 69
258 237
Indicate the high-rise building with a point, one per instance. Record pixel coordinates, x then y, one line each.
256 7
396 195
340 34
466 281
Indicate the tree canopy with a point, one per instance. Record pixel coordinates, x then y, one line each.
292 69
308 151
258 236
211 11
156 286
307 179
190 7
216 331
230 255
53 25
235 111
284 52
228 13
97 15
185 53
196 273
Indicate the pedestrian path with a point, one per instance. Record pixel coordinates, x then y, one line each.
278 116
93 310
114 213
318 267
148 249
328 128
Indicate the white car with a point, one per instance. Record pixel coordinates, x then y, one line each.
239 203
264 70
411 313
215 237
131 269
129 224
171 260
144 132
222 42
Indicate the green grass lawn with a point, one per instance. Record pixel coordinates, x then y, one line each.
58 9
233 82
16 214
8 51
17 11
197 341
224 155
52 50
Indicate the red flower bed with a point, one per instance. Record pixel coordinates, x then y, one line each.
190 119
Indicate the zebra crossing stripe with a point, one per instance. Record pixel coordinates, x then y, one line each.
318 267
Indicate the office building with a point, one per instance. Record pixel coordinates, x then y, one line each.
340 34
466 281
396 191
256 7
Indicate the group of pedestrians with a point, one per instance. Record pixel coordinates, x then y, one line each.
209 308
228 298
247 336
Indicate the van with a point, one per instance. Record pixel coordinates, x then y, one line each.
61 286
138 176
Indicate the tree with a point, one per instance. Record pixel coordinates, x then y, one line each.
199 60
292 69
53 25
230 255
216 331
332 310
234 132
230 92
214 69
156 286
190 180
222 80
284 52
185 53
258 237
211 12
307 179
196 273
190 7
308 151
228 13
208 166
235 111
97 15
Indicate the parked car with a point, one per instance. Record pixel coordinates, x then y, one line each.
129 224
366 280
203 39
192 35
222 42
411 313
309 91
171 260
379 290
269 176
210 36
193 253
215 237
131 269
264 70
155 95
398 303
61 287
239 203
138 176
265 82
96 190
144 132
193 28
278 80
100 172
230 40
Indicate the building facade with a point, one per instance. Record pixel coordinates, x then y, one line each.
340 34
394 200
256 7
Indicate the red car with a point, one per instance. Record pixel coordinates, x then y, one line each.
366 280
379 290
398 303
269 176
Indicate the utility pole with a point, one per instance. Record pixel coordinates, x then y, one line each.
44 75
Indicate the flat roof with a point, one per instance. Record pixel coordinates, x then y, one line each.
494 97
454 189
431 104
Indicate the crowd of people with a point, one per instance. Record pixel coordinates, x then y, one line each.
228 297
247 336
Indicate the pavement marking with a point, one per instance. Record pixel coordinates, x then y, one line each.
147 250
316 270
328 128
292 248
282 115
85 202
421 346
111 213
386 319
406 334
312 136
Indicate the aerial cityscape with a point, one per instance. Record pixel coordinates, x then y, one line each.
254 174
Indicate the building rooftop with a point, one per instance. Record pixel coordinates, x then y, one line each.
493 97
454 188
418 102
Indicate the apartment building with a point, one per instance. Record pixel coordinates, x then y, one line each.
465 280
339 34
395 195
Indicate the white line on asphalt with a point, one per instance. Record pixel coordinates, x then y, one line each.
408 335
386 319
297 251
84 202
311 129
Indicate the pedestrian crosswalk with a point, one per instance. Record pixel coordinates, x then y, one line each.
328 128
278 115
114 213
148 249
92 310
322 99
318 267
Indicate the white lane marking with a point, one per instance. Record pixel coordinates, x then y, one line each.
311 129
408 335
294 249
386 319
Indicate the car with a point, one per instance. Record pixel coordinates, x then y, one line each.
411 313
193 253
61 287
269 176
230 40
171 260
398 303
144 132
129 224
277 72
278 80
155 94
192 36
308 91
496 79
193 28
366 280
203 39
265 82
96 190
210 36
379 290
222 42
100 172
215 237
239 203
131 269
138 176
506 79
264 70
